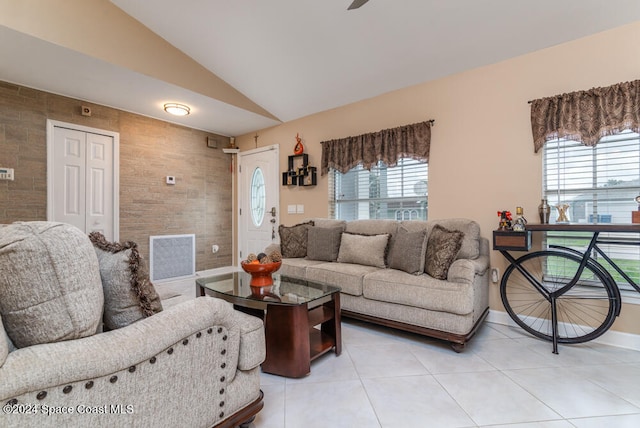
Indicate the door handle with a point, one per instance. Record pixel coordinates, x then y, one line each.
273 211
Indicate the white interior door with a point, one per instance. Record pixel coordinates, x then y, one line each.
259 199
82 180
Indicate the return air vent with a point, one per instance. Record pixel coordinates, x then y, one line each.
172 257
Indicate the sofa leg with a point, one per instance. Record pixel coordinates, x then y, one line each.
246 423
458 347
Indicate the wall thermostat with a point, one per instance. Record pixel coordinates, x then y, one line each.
171 179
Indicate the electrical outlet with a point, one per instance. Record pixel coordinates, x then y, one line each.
215 249
495 275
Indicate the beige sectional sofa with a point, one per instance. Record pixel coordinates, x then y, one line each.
397 288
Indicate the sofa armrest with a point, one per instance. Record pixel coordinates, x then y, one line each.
271 248
465 270
49 365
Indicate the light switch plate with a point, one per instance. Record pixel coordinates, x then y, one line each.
291 209
6 174
300 209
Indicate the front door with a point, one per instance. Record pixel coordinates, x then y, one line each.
258 199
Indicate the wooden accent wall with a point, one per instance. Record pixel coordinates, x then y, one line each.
199 203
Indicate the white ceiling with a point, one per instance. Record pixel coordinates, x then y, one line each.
299 57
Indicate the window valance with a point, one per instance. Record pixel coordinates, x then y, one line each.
586 116
389 145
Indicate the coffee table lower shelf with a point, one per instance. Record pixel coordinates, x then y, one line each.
293 341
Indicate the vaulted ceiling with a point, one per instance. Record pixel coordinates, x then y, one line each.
251 64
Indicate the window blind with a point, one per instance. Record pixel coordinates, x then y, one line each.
599 183
398 192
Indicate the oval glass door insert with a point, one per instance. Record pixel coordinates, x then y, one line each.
258 197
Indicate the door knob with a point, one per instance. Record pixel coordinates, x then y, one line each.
273 211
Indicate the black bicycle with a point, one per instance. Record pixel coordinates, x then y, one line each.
564 295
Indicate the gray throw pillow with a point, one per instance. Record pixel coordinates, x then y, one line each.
368 250
129 296
50 287
324 243
293 240
407 252
442 248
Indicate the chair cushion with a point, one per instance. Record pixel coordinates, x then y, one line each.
324 243
50 288
129 295
293 239
442 248
407 251
367 250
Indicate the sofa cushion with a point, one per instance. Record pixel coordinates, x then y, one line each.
407 252
129 295
293 239
442 248
368 250
297 268
324 243
347 276
421 291
50 288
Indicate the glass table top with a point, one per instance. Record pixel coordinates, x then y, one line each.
284 291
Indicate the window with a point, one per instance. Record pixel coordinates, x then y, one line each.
398 192
599 184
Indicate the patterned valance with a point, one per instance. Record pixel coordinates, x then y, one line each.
586 116
389 145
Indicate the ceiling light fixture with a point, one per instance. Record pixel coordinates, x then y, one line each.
177 109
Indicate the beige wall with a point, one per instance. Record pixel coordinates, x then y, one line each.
482 156
199 203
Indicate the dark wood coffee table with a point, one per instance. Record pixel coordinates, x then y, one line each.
291 310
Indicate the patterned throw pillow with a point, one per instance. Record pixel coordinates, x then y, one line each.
293 240
368 250
442 248
407 252
324 243
129 296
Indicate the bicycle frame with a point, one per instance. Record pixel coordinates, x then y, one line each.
586 259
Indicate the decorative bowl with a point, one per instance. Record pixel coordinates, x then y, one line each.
260 273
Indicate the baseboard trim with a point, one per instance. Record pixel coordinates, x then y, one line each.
611 337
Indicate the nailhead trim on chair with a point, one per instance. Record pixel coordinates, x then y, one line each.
114 378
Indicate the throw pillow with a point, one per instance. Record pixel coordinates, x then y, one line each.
293 240
407 252
50 288
324 243
368 250
129 296
442 248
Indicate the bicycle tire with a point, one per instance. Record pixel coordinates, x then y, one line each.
584 312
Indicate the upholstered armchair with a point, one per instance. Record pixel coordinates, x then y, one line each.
195 364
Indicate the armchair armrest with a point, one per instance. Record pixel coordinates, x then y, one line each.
45 366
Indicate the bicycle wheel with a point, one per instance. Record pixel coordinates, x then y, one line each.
584 312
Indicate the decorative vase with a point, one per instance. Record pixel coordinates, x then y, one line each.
544 210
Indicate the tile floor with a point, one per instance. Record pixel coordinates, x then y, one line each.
385 378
